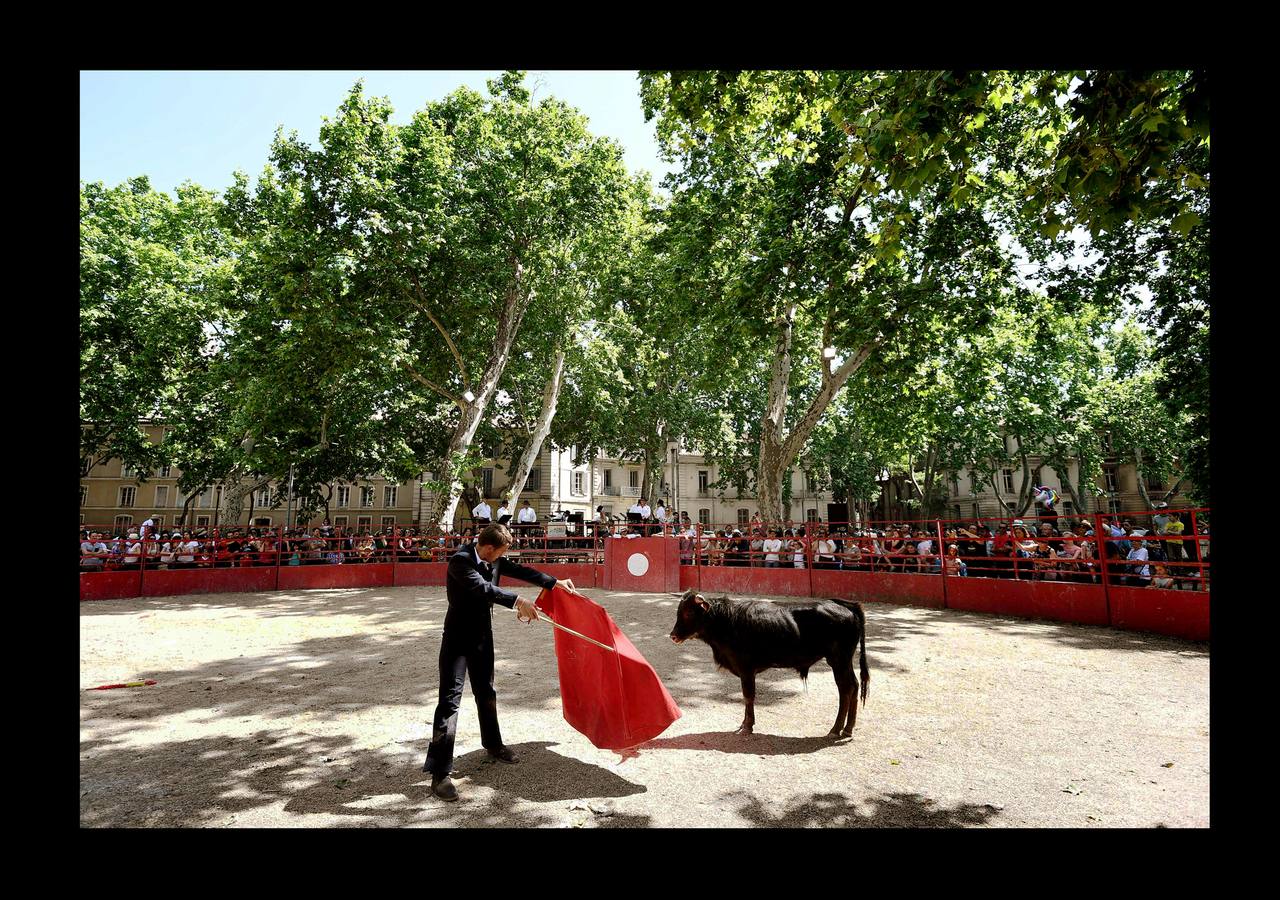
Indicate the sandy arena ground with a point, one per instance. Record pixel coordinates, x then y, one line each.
313 708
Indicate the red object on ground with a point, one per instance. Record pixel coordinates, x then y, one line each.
616 699
107 687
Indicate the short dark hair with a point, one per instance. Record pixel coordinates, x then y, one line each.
494 536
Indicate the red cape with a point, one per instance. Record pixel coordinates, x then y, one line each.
616 699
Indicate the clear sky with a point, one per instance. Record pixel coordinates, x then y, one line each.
202 126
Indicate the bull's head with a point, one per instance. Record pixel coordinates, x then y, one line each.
690 616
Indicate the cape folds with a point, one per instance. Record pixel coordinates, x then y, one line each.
616 699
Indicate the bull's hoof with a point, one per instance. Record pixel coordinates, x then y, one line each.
743 729
848 732
834 732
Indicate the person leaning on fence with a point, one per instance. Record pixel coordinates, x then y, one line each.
467 646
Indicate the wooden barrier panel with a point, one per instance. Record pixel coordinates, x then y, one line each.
110 585
231 580
301 578
1179 613
878 587
754 582
582 574
642 564
414 573
1085 604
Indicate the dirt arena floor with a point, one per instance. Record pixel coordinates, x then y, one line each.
313 709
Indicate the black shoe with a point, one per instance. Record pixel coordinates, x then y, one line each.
442 787
506 754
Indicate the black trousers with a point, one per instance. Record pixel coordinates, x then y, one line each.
456 659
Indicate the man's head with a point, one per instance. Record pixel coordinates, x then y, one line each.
526 503
492 542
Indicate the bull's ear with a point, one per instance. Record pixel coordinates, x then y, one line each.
700 600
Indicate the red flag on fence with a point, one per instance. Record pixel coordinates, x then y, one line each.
616 699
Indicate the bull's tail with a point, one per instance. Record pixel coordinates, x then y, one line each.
863 671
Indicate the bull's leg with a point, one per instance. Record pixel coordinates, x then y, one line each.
749 697
845 681
853 697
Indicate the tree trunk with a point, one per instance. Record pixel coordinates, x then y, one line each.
655 460
779 451
513 310
550 397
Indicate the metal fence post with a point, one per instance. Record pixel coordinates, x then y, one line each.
1100 540
942 560
279 550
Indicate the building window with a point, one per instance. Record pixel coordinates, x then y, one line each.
1008 480
534 481
159 522
633 478
362 521
812 484
128 471
702 481
85 466
344 496
162 496
704 516
811 515
1112 479
744 516
124 521
262 521
1113 505
608 477
127 495
488 482
202 521
264 497
1067 509
388 521
1155 484
366 499
577 484
388 496
340 520
84 494
163 471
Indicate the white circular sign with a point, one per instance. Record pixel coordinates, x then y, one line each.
637 564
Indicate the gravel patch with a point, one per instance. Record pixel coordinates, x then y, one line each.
312 709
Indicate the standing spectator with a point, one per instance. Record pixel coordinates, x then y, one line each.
772 546
795 547
955 565
757 545
481 513
825 557
93 552
1138 556
187 549
504 513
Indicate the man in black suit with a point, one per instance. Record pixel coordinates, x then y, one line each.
467 644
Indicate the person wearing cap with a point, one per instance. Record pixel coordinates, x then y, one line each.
467 646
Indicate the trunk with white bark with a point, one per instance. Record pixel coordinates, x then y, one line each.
550 397
513 310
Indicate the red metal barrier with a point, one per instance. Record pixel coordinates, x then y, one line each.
1038 576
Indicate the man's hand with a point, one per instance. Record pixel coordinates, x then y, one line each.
568 583
525 611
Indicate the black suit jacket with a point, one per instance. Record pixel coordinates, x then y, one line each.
472 589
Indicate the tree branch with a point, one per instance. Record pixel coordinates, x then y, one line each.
421 302
443 393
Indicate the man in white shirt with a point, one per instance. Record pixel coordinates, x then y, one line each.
148 528
503 510
187 553
661 512
647 512
1141 576
482 513
772 545
528 516
133 551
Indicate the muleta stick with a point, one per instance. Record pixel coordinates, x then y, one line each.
107 687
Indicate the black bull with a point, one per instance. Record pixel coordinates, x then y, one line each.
749 636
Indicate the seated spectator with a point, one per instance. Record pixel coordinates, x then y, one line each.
1162 579
926 562
955 565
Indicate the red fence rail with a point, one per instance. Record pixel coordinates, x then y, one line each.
1098 569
